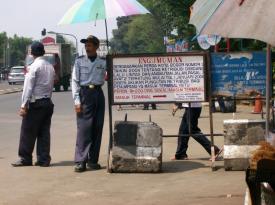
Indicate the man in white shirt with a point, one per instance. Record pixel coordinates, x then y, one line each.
36 110
195 112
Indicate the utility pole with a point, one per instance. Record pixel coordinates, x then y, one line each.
4 54
8 53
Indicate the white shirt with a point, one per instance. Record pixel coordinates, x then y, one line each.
38 82
193 104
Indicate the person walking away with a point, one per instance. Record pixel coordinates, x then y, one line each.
195 112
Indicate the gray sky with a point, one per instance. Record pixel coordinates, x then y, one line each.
28 17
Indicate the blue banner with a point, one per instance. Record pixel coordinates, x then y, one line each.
238 73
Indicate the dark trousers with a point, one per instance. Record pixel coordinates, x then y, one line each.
146 106
184 129
36 126
90 125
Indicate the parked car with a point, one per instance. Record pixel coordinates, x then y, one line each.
17 75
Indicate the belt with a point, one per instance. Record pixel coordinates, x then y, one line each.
41 99
91 86
35 98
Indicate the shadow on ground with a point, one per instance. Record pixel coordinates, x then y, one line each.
70 164
63 164
181 166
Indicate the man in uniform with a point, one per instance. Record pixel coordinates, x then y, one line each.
87 79
36 110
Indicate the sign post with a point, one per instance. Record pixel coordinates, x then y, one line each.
155 78
138 79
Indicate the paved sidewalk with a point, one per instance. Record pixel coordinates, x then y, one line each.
5 88
181 183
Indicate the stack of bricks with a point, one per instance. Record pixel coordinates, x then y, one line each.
137 147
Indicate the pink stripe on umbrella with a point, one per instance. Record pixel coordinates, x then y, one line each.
128 8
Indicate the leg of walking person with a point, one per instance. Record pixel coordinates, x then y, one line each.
201 139
183 140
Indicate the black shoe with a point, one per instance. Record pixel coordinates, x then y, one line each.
94 166
80 167
42 164
21 163
183 157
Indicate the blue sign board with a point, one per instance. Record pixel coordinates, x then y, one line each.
234 74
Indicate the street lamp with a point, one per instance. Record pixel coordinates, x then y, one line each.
67 34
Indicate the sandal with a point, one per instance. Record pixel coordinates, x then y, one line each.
217 154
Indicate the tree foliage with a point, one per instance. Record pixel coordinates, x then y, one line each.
13 50
144 33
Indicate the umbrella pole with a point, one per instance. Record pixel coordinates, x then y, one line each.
210 100
268 78
109 102
107 39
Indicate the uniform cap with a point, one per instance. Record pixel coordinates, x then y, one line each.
91 39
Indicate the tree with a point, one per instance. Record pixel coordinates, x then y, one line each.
133 33
18 49
3 49
13 50
118 43
138 34
144 35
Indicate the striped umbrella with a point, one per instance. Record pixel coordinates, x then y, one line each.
92 10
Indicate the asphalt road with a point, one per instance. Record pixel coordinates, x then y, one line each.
5 88
181 182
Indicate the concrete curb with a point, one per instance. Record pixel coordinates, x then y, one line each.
10 90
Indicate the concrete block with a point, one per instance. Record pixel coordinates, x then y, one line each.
135 165
137 147
127 152
125 133
149 135
240 140
236 164
145 165
154 152
244 132
130 152
132 159
239 151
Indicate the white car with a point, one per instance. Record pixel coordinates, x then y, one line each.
17 75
